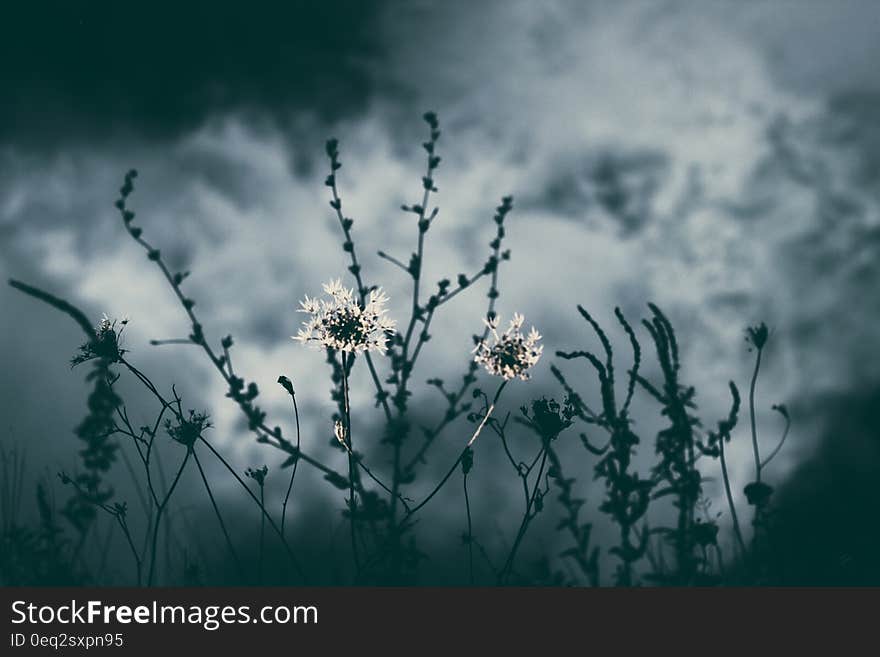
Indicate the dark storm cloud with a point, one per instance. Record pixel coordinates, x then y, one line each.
99 69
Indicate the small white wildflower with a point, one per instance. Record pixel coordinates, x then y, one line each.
340 322
339 431
512 354
109 324
105 325
107 342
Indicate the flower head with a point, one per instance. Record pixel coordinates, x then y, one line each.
757 335
258 474
187 430
512 353
341 323
108 324
107 343
548 418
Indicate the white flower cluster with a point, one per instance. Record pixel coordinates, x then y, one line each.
512 353
340 322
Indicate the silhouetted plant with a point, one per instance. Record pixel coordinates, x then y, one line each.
37 554
547 419
714 448
676 474
393 390
676 470
353 324
759 492
628 494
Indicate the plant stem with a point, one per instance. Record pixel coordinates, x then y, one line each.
508 565
460 456
158 518
217 513
470 535
138 563
352 503
256 500
778 447
752 415
295 463
355 269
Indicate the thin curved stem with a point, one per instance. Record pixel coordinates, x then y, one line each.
482 423
781 443
752 415
295 463
436 488
158 517
458 460
219 516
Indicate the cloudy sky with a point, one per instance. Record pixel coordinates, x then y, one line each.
721 159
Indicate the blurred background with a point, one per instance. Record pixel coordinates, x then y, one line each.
720 159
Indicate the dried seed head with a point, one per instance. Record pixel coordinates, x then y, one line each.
187 430
757 335
258 474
